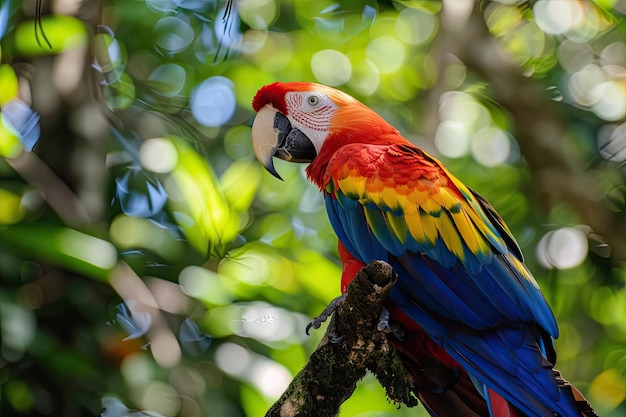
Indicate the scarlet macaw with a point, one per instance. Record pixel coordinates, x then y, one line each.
472 310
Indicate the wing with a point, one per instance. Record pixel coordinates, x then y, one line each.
397 201
461 274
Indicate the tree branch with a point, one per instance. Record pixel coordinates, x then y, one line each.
351 346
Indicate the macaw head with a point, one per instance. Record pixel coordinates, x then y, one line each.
306 122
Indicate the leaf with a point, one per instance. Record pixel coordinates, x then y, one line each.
12 209
240 183
198 203
10 145
63 32
63 246
8 81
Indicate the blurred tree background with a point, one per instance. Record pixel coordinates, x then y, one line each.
148 263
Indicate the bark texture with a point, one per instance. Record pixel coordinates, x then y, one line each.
351 346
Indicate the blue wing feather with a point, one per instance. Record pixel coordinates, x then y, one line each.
482 310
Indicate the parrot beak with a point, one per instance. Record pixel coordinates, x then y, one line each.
273 135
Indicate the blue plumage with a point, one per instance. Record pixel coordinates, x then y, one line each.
489 317
466 299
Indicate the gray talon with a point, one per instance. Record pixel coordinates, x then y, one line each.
328 311
383 321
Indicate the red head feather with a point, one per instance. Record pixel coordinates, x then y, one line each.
352 122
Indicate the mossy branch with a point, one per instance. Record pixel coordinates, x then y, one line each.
351 346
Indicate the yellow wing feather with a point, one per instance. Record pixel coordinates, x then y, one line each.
421 200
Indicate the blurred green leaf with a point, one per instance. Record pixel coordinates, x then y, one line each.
19 396
201 208
10 144
8 81
63 33
65 247
12 209
240 183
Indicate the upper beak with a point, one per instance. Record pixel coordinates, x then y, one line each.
273 135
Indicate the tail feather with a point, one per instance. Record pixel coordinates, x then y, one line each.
581 402
446 390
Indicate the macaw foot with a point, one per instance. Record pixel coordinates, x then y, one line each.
328 311
383 321
385 326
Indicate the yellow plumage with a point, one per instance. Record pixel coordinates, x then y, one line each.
449 234
469 233
414 225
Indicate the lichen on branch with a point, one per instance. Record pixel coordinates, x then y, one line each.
351 346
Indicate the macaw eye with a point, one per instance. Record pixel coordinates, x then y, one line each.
314 100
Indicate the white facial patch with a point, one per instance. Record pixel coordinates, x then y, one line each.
312 113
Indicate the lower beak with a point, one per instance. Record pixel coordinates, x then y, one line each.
273 135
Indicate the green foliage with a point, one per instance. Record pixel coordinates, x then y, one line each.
143 188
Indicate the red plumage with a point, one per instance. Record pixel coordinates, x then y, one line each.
466 302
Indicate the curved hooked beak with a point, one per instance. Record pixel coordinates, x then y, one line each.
273 135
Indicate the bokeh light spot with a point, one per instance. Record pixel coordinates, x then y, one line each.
611 104
462 108
608 389
415 26
18 329
258 14
582 85
253 41
233 359
162 6
274 53
237 142
213 101
586 22
158 155
612 142
331 67
173 34
386 53
563 248
168 79
248 266
137 370
558 16
491 146
204 284
451 139
162 398
193 4
263 322
365 77
270 378
614 54
573 56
